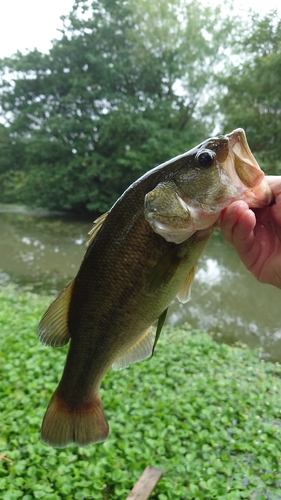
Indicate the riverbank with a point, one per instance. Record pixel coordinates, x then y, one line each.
208 414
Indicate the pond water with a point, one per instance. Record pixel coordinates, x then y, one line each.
43 251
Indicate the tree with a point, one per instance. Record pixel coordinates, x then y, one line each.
251 91
118 94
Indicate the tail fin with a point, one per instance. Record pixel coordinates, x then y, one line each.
83 425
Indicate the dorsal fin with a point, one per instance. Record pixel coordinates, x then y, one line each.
96 227
53 327
142 349
184 293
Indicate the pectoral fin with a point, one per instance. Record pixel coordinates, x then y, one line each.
185 290
53 327
164 270
142 349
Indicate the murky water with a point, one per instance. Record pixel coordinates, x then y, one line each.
44 252
40 250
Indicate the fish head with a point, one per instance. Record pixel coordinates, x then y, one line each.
201 183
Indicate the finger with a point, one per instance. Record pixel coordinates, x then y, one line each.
238 227
274 182
238 217
246 242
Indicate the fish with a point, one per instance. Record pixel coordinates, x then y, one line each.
141 255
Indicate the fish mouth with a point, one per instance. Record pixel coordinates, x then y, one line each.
245 172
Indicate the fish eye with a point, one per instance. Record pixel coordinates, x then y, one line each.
205 158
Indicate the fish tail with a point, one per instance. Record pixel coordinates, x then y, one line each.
64 424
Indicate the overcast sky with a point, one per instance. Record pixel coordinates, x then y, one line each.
26 24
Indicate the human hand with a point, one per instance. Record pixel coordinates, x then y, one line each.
256 235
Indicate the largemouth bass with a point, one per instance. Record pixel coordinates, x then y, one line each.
141 255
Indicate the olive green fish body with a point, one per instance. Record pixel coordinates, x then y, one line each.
141 255
128 308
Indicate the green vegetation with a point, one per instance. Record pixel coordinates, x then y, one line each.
128 86
100 109
207 414
251 99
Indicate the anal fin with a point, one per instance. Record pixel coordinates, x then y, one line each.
142 349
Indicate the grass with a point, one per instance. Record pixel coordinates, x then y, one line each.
207 414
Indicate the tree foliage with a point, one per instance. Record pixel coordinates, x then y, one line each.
129 85
118 94
252 96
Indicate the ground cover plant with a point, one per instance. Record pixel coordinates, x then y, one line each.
207 414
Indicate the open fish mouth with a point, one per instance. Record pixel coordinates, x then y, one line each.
224 170
247 173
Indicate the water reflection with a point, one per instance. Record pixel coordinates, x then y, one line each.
41 250
229 303
44 252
